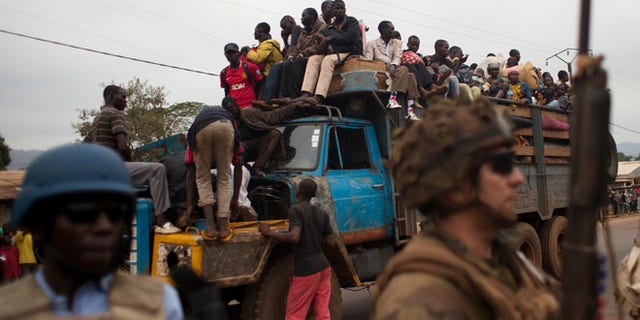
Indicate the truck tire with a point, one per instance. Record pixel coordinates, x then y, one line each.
529 243
267 299
551 236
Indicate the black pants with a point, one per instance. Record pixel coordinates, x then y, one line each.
292 76
423 76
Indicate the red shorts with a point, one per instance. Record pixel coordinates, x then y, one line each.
314 289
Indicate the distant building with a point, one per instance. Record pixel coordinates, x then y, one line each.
10 182
628 174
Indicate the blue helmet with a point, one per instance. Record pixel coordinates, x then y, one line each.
70 170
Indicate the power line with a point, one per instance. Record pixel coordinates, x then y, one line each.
156 53
175 26
623 128
386 16
108 53
474 28
277 14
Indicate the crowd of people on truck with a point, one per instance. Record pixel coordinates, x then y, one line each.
304 66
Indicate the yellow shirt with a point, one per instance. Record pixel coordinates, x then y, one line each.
24 242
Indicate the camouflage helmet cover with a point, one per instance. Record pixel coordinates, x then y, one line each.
437 153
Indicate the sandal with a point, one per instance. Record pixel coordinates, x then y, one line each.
227 238
204 235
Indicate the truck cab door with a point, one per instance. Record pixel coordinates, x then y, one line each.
359 185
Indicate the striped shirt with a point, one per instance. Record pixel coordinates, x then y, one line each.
108 123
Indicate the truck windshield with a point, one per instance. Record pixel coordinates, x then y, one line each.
301 144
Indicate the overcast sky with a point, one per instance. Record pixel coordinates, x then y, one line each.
42 85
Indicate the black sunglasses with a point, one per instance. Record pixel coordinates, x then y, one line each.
88 211
501 163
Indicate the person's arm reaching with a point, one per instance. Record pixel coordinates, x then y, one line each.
291 236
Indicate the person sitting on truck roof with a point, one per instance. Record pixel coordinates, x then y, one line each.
518 90
78 201
214 135
307 44
326 8
108 129
343 38
563 77
528 73
389 50
547 81
309 227
463 264
562 96
240 79
463 72
415 63
443 68
290 34
267 53
494 85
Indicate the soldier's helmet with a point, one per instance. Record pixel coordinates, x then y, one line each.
76 169
440 151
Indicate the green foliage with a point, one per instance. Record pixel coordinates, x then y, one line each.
623 157
637 158
147 117
5 157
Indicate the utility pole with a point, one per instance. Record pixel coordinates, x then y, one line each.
569 51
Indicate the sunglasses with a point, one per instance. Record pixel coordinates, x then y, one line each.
501 163
88 211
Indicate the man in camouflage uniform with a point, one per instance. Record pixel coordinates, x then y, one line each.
456 166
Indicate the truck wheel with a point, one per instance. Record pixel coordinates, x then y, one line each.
529 243
551 236
267 299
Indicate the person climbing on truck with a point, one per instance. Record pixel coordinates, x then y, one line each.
309 227
463 179
214 135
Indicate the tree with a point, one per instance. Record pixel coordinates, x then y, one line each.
5 157
623 157
147 117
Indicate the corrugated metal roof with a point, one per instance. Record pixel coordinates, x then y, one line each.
10 182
